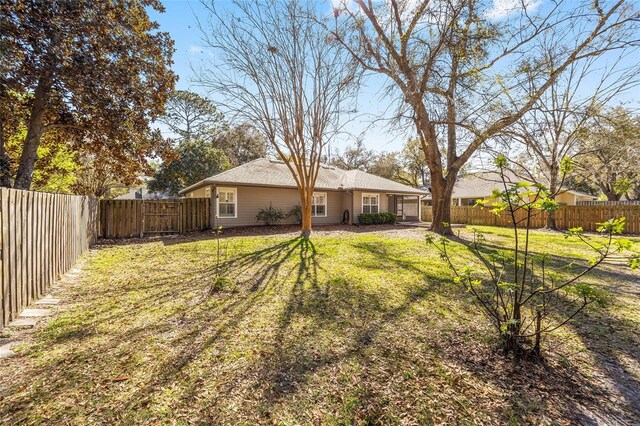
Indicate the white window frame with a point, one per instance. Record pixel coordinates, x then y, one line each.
365 194
235 202
313 212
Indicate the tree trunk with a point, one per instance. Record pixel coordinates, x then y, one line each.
553 187
305 207
441 192
5 180
612 196
34 132
551 220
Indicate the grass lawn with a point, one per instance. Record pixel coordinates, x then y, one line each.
347 328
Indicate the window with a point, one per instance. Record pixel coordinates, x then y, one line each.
370 203
319 204
227 202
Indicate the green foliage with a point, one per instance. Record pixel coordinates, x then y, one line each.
296 211
376 218
270 215
97 72
522 299
611 147
612 226
196 160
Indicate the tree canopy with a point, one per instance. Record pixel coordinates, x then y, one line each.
456 68
99 71
196 160
611 154
278 70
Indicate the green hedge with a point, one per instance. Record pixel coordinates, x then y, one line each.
376 218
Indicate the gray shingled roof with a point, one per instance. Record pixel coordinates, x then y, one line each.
265 172
481 184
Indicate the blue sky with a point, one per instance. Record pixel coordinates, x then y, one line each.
179 20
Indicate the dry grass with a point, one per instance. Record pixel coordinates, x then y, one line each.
347 328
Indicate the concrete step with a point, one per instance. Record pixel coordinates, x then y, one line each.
35 312
23 322
5 351
48 301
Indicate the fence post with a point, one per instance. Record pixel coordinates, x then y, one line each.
141 220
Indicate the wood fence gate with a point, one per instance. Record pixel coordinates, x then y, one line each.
137 218
160 217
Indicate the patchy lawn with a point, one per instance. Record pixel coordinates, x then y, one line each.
347 328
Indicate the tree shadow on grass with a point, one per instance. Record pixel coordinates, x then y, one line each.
609 339
199 328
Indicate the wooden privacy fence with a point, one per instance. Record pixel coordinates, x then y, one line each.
137 218
42 237
567 217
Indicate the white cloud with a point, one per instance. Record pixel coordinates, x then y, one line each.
195 49
504 8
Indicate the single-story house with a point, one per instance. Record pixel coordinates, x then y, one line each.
473 186
240 193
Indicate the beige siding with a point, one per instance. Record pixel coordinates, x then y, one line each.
251 199
197 193
357 203
347 204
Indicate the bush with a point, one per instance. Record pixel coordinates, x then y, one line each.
376 218
270 216
296 211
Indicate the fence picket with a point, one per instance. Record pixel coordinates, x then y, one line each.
585 216
41 236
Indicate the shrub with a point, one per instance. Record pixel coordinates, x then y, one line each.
376 218
296 211
270 215
523 299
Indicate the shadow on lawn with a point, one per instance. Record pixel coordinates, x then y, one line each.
249 231
607 337
297 318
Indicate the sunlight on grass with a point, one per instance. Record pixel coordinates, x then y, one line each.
356 328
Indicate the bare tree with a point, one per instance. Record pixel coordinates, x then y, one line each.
279 70
611 153
553 128
455 66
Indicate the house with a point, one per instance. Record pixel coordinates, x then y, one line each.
239 193
141 193
474 186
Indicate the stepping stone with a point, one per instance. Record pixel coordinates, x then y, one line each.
23 322
35 313
48 301
5 351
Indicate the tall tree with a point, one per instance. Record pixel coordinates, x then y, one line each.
611 153
551 130
355 157
415 170
196 160
99 70
191 116
456 66
281 72
242 143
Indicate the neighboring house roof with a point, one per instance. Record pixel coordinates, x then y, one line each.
481 184
275 173
478 185
580 193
